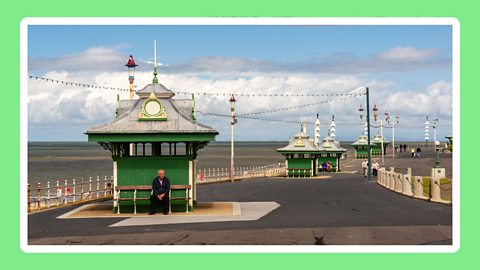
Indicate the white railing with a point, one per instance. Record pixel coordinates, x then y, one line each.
67 192
223 174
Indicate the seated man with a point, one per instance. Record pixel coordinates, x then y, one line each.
329 166
160 189
324 166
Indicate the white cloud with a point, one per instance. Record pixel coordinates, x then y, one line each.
63 106
435 100
111 59
98 59
407 54
52 104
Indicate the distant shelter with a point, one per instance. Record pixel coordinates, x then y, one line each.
305 157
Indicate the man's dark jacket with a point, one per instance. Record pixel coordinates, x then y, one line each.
160 189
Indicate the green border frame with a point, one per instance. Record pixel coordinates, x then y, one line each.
465 11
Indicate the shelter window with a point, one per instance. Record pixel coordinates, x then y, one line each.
147 149
165 149
180 149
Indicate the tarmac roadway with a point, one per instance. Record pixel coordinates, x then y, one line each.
342 209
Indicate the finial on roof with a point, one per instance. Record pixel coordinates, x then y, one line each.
193 107
155 79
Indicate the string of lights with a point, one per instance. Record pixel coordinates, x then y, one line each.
297 122
250 116
255 93
253 118
299 106
86 85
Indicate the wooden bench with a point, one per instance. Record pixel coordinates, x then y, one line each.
186 197
299 170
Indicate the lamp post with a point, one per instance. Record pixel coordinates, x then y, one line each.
427 133
437 161
393 123
367 129
233 121
369 145
396 121
381 135
434 126
131 73
375 115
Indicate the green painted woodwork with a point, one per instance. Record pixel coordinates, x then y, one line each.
299 163
361 152
299 173
141 171
154 137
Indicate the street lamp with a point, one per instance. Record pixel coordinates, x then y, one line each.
367 130
434 126
233 121
375 112
393 123
427 133
131 73
437 148
360 110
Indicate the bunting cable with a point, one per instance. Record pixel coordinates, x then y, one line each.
298 106
299 122
253 118
200 93
77 84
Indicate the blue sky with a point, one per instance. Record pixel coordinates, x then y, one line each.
395 61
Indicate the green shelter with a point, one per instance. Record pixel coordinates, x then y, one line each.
151 133
330 151
361 146
304 157
377 145
301 155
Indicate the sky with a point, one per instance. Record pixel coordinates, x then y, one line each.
408 70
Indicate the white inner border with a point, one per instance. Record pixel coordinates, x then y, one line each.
241 248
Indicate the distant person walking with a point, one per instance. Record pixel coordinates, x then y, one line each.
413 152
365 167
419 151
375 167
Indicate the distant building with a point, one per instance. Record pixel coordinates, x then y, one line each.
304 157
361 146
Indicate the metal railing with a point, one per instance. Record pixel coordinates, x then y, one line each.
223 174
65 192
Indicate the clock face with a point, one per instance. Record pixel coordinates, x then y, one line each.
299 142
152 108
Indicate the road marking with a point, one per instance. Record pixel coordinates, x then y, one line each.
248 211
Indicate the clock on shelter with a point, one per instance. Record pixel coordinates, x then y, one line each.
153 132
